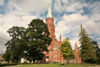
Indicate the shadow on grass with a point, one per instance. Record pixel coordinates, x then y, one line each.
2 65
73 65
80 65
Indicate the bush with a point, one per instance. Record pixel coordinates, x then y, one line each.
37 61
54 62
62 64
98 61
25 62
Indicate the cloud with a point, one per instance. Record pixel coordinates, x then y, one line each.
68 15
94 11
4 37
69 25
98 38
1 2
19 13
95 17
74 18
65 1
13 18
91 27
27 18
94 7
32 5
58 7
2 49
69 6
73 41
74 7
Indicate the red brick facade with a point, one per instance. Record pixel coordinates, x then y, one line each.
54 51
54 54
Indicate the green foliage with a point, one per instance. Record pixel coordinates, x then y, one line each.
7 55
15 45
28 43
35 39
31 59
54 62
37 61
97 50
25 62
66 49
87 52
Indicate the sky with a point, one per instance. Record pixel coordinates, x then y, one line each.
67 15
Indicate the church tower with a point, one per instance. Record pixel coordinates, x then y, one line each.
54 51
50 23
51 27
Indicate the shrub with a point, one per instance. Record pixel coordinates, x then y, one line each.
54 62
25 62
37 61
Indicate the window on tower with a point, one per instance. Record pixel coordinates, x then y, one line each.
52 36
50 20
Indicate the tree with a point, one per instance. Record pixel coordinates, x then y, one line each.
15 44
7 55
97 50
66 50
36 39
87 52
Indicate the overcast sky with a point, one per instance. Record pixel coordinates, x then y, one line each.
67 14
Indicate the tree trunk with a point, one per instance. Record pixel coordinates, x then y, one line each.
33 61
67 61
29 61
8 61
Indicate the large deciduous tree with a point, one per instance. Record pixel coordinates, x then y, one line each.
14 45
37 38
66 50
29 43
87 52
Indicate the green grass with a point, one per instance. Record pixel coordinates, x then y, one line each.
2 65
54 65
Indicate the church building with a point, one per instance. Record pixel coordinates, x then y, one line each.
54 54
54 51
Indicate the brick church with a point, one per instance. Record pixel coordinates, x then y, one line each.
54 54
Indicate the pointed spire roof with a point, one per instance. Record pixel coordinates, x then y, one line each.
49 12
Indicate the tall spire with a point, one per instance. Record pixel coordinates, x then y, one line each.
49 12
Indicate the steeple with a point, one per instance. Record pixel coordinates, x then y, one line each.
49 12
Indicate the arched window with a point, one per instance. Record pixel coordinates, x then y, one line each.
50 21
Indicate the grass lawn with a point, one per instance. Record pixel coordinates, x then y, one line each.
54 65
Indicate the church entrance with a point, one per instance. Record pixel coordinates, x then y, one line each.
47 59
